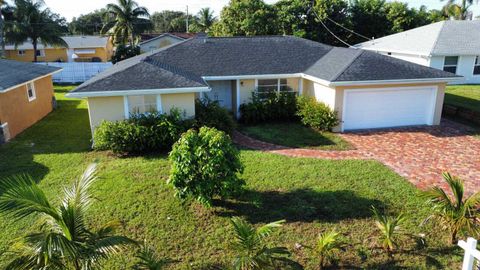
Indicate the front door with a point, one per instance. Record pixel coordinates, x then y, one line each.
221 92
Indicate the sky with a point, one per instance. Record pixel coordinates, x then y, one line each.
73 8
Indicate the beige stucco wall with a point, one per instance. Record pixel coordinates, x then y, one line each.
185 102
112 108
105 108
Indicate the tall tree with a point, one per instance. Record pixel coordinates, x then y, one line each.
65 240
369 18
205 20
248 17
36 24
123 18
2 41
169 21
459 11
88 24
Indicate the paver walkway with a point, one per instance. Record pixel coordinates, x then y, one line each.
419 154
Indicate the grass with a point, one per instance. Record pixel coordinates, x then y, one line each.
296 135
467 96
312 195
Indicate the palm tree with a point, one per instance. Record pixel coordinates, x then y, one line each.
251 251
457 213
34 24
327 247
389 228
147 260
65 241
458 11
205 19
123 18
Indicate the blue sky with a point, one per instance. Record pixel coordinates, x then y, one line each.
72 8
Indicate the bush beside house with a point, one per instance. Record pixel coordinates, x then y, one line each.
209 113
316 114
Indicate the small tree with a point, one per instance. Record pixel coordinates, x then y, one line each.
455 214
205 164
251 251
65 240
327 247
389 228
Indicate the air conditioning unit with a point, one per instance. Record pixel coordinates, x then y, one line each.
4 133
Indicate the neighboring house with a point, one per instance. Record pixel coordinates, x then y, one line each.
452 46
368 90
26 95
80 49
162 40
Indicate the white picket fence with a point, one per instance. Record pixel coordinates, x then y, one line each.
471 254
76 72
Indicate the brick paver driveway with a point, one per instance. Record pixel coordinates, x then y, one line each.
420 154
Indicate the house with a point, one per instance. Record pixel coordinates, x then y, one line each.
26 95
153 42
368 90
80 49
452 46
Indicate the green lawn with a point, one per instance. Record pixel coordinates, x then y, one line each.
296 135
467 96
312 195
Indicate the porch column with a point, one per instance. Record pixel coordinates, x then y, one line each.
125 107
238 98
159 103
300 86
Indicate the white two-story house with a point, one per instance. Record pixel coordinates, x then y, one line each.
452 46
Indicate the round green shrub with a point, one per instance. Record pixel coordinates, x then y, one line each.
205 164
316 114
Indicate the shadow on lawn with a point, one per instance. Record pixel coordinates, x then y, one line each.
65 130
304 205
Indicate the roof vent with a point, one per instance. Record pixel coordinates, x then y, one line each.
202 35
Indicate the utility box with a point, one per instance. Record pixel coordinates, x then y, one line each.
4 133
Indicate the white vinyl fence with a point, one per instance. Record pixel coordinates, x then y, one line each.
472 254
76 72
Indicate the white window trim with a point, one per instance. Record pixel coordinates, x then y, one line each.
34 94
476 63
279 85
126 107
456 65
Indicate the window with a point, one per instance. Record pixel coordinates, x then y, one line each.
450 64
476 67
31 91
142 104
273 85
21 52
40 53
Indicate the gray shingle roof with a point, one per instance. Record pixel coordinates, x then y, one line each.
13 73
184 64
442 38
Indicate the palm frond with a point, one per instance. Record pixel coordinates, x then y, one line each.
147 260
21 197
78 194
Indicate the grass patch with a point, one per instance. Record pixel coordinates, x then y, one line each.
466 96
312 195
296 135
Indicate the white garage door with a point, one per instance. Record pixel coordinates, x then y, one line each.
388 107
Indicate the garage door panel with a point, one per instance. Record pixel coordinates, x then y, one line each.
388 107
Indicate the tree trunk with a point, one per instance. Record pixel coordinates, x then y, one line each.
453 237
34 43
2 42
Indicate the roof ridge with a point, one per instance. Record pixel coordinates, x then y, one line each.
437 37
346 65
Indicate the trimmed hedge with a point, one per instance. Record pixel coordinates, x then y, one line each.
269 107
140 133
209 113
316 114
